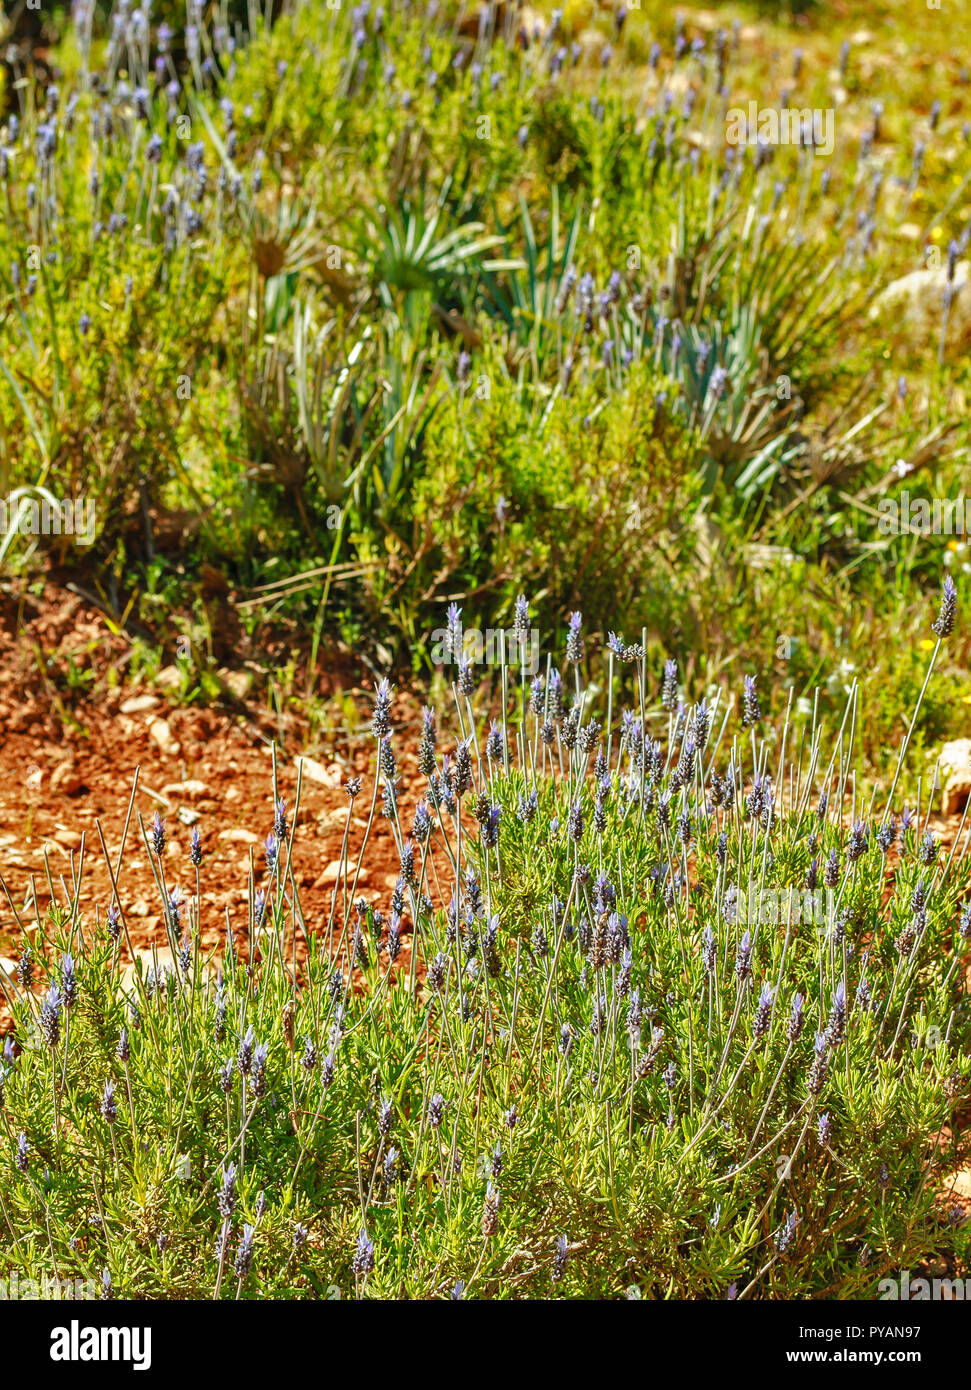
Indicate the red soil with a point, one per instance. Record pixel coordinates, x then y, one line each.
69 761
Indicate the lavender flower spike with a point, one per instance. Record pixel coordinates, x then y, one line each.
943 624
751 711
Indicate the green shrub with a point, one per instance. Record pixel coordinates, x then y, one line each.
638 1020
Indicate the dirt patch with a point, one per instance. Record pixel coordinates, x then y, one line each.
72 743
74 732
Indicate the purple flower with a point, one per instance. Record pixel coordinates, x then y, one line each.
69 983
158 834
887 834
381 721
363 1261
943 625
494 742
258 1074
227 1192
786 1232
857 844
244 1252
760 1025
109 1108
521 620
964 922
490 829
669 685
796 1019
244 1057
751 712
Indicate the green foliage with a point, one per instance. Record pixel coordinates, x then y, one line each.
346 284
614 1038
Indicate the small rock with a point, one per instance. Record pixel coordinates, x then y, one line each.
916 304
9 968
192 790
186 816
333 871
316 772
955 763
70 839
238 683
238 836
159 959
66 779
137 704
169 678
160 734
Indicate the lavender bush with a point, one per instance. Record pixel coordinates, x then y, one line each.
662 1004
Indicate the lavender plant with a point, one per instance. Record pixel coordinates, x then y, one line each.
611 1032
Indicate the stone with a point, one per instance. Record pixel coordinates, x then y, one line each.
158 958
916 304
238 683
169 678
192 790
316 772
66 779
162 736
137 704
955 772
8 968
239 836
332 872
